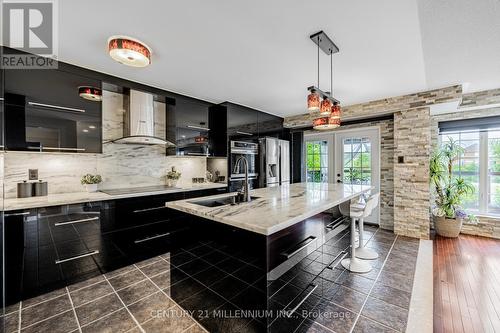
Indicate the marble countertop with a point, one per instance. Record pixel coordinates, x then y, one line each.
276 208
78 197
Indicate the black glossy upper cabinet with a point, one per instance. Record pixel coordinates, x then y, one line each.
217 121
190 118
44 112
242 123
2 129
270 125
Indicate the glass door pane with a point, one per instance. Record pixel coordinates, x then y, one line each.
356 161
317 161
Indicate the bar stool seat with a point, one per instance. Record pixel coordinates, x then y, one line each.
354 264
361 251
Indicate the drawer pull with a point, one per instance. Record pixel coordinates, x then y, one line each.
137 241
291 312
305 243
56 107
77 221
338 221
17 214
1 99
342 255
244 133
40 148
149 209
60 261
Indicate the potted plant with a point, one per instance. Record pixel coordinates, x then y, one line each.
172 177
91 182
448 190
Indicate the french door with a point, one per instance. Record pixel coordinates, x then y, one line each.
357 160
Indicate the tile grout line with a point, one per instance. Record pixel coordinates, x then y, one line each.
175 303
106 315
74 311
125 306
373 286
19 317
47 318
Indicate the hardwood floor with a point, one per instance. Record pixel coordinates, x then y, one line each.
466 284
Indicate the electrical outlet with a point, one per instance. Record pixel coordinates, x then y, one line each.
401 159
33 174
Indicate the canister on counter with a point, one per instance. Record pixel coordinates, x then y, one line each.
40 188
24 190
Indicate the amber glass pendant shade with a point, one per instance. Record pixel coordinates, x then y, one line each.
313 101
326 107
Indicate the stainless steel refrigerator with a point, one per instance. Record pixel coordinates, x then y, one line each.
274 162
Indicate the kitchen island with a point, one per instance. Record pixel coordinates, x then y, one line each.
290 238
274 208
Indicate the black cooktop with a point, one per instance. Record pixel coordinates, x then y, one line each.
143 189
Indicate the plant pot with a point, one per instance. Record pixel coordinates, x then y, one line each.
447 227
172 182
91 187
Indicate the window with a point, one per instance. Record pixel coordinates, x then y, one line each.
317 161
357 161
479 165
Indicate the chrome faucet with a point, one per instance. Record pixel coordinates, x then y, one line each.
246 185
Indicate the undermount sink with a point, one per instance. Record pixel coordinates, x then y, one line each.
217 202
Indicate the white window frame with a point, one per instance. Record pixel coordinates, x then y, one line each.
484 186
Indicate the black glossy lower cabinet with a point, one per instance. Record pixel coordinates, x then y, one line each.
50 247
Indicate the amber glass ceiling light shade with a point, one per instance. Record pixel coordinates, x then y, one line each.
129 51
313 101
90 93
325 123
326 107
335 111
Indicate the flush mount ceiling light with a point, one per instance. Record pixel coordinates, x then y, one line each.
90 93
129 51
329 108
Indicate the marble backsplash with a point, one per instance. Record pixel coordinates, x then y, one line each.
119 165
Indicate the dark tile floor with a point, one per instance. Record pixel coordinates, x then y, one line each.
181 291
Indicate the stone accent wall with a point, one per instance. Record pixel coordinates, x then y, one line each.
488 226
385 106
481 98
386 169
412 141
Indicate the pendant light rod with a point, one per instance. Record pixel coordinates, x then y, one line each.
331 74
318 61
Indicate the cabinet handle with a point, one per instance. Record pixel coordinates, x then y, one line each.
342 255
56 148
291 312
244 133
60 261
335 223
137 241
197 154
306 242
77 221
148 209
17 214
198 128
57 107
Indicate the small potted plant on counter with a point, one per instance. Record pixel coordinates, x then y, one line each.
172 177
91 182
448 191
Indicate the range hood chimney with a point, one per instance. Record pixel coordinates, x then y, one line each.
139 121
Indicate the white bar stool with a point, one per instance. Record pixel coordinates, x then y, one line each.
361 251
353 264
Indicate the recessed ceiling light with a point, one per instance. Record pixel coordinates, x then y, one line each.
90 93
129 51
92 126
85 130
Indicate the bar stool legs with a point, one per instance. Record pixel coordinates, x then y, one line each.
354 264
361 251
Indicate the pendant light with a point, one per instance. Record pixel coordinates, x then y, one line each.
329 109
90 93
129 51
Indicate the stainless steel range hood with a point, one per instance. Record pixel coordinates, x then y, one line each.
139 121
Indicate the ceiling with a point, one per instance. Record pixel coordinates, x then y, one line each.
258 53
